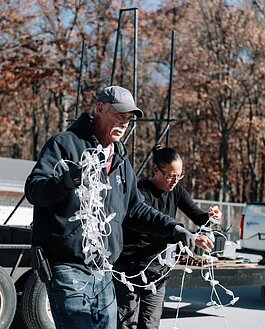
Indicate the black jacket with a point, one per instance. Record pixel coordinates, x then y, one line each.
54 204
140 249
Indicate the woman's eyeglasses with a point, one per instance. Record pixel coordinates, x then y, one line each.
170 177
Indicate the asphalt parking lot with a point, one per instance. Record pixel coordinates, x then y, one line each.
247 313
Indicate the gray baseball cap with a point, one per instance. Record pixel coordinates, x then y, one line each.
121 99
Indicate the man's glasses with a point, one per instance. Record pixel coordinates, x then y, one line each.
171 177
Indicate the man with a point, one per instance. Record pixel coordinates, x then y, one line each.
78 298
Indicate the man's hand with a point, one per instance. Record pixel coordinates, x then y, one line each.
185 236
203 242
72 178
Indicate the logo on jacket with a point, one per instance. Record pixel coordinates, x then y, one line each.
118 179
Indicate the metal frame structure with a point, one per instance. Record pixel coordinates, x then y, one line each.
132 132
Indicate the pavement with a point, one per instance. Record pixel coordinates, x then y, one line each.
193 313
247 313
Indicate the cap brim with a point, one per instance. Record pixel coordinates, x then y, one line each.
123 108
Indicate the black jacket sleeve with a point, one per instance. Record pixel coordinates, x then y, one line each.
190 208
42 189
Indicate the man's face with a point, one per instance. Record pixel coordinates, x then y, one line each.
111 125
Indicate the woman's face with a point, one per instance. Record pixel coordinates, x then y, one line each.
168 175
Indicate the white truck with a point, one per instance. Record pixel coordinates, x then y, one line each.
252 229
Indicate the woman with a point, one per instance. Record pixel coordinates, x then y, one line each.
141 308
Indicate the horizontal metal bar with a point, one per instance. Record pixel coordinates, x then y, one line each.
154 120
15 246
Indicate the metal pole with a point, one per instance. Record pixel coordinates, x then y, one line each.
117 43
151 152
116 49
145 120
79 79
15 209
170 85
135 64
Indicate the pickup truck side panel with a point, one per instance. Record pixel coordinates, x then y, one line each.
252 229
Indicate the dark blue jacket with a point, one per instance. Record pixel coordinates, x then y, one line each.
54 204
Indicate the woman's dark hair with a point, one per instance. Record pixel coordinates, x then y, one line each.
165 155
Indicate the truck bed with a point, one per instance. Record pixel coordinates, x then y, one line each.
15 244
228 273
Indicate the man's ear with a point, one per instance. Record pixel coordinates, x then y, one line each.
99 108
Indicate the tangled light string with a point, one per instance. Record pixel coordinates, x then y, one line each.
95 223
207 273
96 226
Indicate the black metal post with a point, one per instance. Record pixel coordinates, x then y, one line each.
170 85
135 62
79 79
149 156
117 45
116 49
15 209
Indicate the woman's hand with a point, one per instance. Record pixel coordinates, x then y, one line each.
215 213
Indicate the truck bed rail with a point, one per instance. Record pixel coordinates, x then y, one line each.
227 274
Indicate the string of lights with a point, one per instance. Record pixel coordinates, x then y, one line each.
96 227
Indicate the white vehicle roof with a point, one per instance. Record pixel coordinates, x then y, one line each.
13 174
